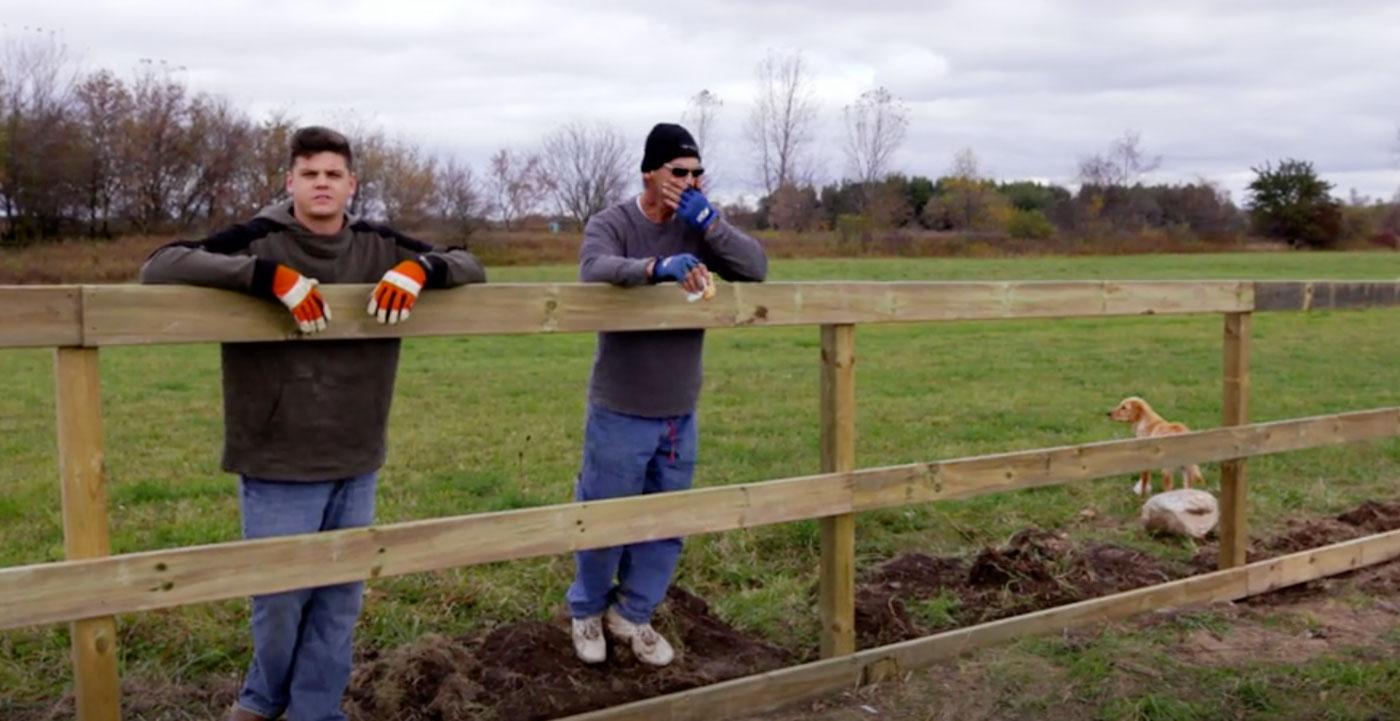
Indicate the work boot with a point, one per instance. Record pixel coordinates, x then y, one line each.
648 646
589 644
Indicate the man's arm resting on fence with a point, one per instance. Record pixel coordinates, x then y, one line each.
221 260
733 254
601 258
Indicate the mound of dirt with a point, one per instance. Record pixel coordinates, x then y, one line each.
528 670
1373 516
1036 569
1369 518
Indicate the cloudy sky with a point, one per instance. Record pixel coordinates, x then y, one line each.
1032 87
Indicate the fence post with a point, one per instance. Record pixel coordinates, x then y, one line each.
78 392
1234 534
838 446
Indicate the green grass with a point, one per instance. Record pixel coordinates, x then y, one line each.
490 423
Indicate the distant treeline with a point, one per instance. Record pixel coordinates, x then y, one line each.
92 154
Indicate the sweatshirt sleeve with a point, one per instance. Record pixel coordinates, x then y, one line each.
601 258
221 260
446 268
733 254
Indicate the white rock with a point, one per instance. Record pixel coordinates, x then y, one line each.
1186 512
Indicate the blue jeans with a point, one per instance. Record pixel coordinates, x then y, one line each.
627 455
303 639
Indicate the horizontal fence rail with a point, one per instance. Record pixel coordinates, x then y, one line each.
68 590
101 315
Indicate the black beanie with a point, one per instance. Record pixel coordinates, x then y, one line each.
666 142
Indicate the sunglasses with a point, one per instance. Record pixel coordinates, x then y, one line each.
682 172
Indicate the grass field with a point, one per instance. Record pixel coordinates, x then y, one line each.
490 423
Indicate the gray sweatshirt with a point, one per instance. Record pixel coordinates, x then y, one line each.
302 410
655 374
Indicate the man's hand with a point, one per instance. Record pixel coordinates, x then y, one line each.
695 208
683 268
397 291
673 267
299 294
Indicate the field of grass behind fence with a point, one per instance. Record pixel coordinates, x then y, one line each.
490 423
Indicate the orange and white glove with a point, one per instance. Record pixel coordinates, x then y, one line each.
397 291
299 294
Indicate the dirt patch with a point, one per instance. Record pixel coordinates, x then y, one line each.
528 671
1295 632
146 700
1369 518
1036 569
1373 516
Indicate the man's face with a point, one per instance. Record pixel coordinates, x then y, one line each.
665 176
320 186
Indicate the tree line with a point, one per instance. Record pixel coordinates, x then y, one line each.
92 153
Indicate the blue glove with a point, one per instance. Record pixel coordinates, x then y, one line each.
673 267
696 209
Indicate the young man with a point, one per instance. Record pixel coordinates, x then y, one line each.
640 434
304 422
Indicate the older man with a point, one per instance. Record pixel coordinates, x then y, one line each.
640 433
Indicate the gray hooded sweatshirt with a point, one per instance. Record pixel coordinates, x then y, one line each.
303 410
655 374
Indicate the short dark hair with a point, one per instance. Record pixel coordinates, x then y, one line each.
314 139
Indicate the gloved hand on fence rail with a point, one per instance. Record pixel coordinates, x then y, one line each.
299 294
397 291
673 267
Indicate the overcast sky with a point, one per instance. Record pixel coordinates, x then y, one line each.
1031 87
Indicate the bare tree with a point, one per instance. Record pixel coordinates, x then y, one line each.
104 104
40 170
966 166
265 168
408 185
700 116
793 208
875 127
585 167
1122 166
516 185
967 201
219 138
157 157
458 200
780 124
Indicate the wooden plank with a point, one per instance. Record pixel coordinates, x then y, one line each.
1234 486
52 592
837 586
767 691
78 387
968 477
40 316
133 314
1325 295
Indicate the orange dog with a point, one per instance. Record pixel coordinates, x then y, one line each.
1147 424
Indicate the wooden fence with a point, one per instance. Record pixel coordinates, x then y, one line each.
92 586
